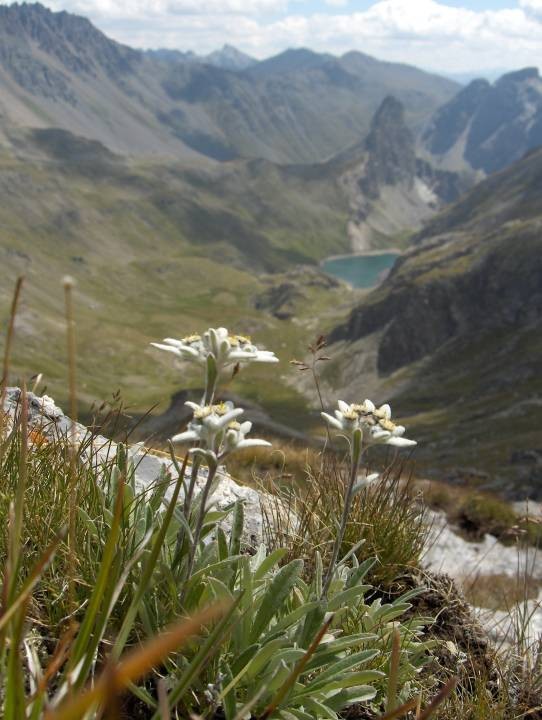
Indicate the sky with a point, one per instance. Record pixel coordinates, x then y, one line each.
455 36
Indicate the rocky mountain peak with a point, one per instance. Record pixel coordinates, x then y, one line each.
230 58
519 76
390 147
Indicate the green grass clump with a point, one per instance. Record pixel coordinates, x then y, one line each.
387 519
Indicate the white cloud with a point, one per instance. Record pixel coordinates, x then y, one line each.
428 33
145 9
532 7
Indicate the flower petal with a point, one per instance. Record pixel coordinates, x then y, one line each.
401 442
188 436
167 348
386 411
228 417
252 443
176 343
332 421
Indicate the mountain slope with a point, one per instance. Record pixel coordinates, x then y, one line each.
486 126
57 70
455 332
157 250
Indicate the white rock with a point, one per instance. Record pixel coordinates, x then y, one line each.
464 560
44 415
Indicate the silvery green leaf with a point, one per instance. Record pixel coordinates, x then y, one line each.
359 573
278 590
347 597
318 574
319 709
244 658
341 666
353 550
349 696
313 622
238 522
221 543
358 487
279 678
263 656
354 679
229 704
291 619
269 563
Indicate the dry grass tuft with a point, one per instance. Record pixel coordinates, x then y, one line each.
388 517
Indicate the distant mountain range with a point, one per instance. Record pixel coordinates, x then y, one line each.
58 70
227 58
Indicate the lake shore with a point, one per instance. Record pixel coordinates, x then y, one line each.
366 253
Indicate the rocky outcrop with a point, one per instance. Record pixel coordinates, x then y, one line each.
72 40
392 190
391 158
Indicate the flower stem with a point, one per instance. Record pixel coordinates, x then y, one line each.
211 380
199 524
354 469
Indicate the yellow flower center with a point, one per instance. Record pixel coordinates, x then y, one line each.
350 414
387 425
221 409
236 340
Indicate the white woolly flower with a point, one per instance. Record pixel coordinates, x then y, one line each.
216 429
375 423
225 348
346 418
235 437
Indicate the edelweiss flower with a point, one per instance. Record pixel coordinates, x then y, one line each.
215 427
375 423
208 422
226 349
234 438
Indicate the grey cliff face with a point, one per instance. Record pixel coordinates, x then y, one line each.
492 125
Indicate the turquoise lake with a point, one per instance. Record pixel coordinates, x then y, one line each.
361 271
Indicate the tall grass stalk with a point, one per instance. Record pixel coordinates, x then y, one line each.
6 359
72 392
9 336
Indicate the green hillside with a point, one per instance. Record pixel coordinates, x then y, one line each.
155 250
